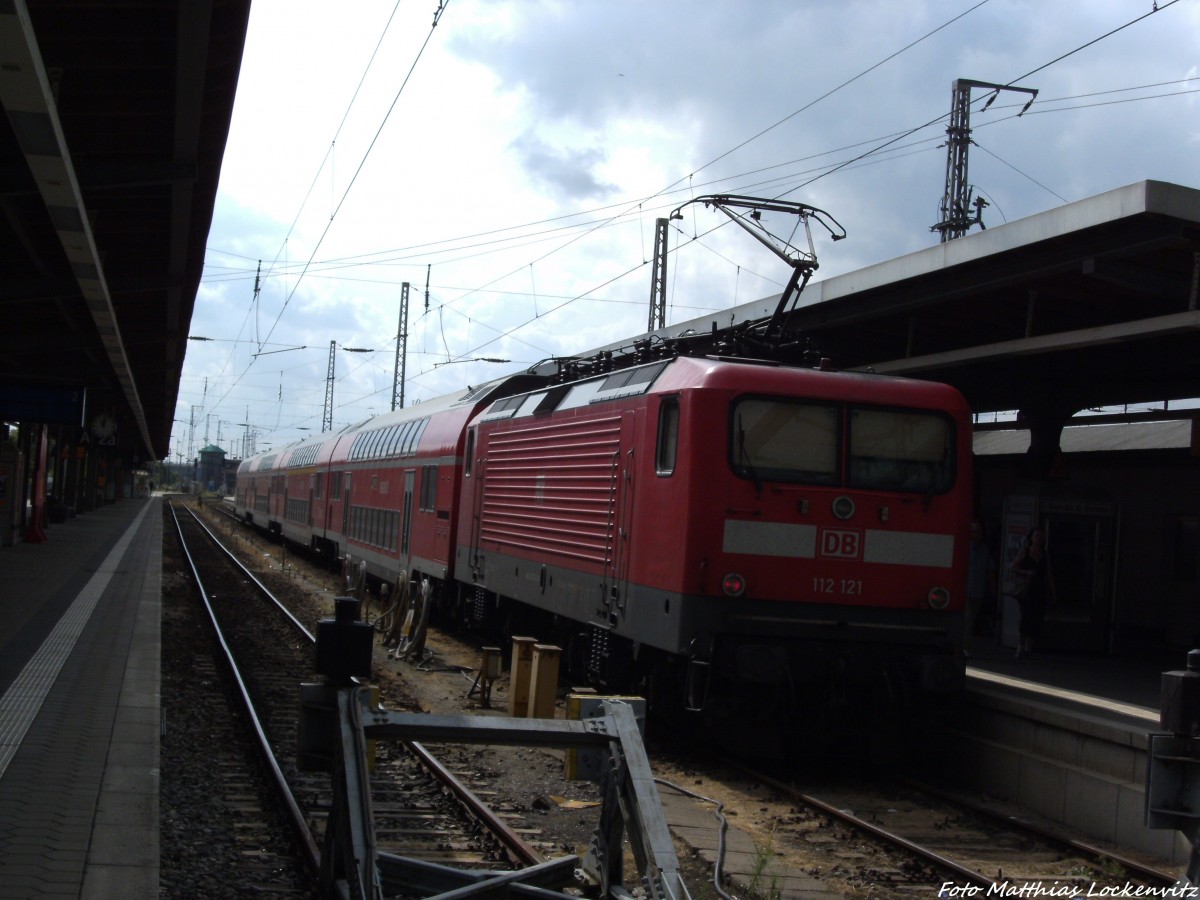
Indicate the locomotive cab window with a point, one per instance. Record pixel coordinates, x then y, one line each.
785 440
803 441
900 450
668 436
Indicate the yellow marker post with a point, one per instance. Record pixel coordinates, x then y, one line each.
518 676
544 680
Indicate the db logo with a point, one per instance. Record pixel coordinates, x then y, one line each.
839 544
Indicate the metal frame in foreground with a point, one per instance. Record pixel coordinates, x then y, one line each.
353 867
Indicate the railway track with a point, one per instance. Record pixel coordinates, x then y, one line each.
422 811
902 839
959 847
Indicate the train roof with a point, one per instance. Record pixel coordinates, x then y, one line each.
399 432
710 372
434 426
671 375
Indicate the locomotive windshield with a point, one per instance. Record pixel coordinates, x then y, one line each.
803 442
782 440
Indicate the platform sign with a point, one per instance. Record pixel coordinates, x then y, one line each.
36 403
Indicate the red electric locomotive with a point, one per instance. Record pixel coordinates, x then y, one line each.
731 534
730 524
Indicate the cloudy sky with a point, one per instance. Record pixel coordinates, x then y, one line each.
514 158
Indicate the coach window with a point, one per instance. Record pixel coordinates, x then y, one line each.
394 439
668 436
428 488
406 442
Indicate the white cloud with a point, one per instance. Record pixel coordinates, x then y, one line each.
521 166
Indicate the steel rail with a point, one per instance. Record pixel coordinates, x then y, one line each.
296 623
311 851
1157 877
476 807
975 878
500 829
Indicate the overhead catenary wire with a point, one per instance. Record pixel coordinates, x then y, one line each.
255 302
689 177
419 252
333 142
824 172
244 273
442 4
441 8
869 152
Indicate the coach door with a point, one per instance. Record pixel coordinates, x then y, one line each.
346 507
406 521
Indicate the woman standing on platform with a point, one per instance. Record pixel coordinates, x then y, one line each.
1035 592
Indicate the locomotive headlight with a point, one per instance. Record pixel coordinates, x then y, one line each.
733 585
938 597
843 507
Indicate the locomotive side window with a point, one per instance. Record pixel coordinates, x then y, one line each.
901 450
668 436
785 440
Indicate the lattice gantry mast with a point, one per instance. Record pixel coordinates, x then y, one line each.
327 416
658 278
956 204
398 370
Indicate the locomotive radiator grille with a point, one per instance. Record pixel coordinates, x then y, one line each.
551 489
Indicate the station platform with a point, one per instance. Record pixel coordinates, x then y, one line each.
80 707
1065 737
1111 687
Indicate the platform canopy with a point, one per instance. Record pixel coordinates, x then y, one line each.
1094 302
116 118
